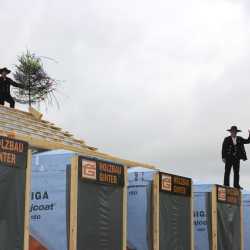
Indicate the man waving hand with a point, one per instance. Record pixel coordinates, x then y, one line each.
233 151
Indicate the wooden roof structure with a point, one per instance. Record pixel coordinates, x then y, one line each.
43 135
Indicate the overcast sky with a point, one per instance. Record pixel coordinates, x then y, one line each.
153 81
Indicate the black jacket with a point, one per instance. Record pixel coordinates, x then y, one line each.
229 150
5 85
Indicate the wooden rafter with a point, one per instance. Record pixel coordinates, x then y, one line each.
41 134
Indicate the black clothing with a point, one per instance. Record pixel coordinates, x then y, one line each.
5 91
232 154
7 98
5 85
235 163
229 150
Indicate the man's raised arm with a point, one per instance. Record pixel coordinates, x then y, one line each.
246 141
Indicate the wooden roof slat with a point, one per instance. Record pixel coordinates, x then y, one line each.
42 134
29 129
34 122
15 127
48 130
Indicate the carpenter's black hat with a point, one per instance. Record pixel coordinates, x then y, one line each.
4 70
234 128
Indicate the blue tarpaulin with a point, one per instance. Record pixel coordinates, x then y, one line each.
48 215
139 209
202 216
246 219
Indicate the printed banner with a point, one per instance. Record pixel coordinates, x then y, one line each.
48 207
13 164
13 153
102 172
175 184
228 195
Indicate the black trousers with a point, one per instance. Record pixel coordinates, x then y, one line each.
235 163
7 98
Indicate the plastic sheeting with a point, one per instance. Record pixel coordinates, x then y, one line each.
246 216
201 188
202 221
139 234
13 168
175 222
228 235
100 204
202 217
228 221
12 197
48 210
100 217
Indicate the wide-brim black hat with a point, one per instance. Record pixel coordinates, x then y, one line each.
234 128
4 70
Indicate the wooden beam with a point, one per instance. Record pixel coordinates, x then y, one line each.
73 203
35 113
27 201
45 135
192 216
52 145
214 217
156 212
125 205
241 222
23 122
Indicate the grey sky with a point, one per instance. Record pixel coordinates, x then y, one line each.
154 81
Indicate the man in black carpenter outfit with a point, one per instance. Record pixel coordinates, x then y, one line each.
5 83
233 151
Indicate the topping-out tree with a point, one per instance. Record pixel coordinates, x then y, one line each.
36 85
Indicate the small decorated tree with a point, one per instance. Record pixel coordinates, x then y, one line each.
36 85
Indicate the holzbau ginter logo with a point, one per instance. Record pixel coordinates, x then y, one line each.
166 183
89 169
221 194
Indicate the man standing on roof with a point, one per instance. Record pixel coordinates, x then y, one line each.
5 83
233 151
